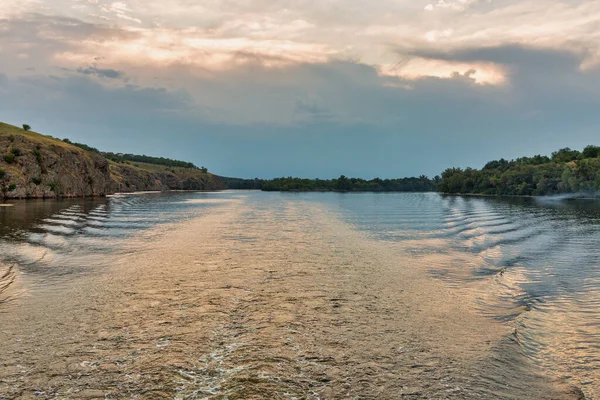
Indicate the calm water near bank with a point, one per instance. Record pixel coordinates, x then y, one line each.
529 267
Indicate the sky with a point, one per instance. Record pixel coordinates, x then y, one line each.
265 88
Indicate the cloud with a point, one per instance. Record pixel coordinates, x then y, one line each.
458 5
120 10
101 72
343 116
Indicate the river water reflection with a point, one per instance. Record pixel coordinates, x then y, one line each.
531 265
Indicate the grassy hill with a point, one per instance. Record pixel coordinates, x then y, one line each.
33 165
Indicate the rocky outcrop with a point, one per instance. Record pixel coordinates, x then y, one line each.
41 168
37 166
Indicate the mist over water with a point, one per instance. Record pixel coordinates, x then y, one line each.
530 267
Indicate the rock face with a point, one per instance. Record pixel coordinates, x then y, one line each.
37 166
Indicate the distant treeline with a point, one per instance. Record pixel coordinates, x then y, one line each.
82 146
420 184
239 183
566 171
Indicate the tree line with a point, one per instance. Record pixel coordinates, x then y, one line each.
121 158
343 183
150 160
566 171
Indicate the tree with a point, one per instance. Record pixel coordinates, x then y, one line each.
343 183
26 127
565 155
591 152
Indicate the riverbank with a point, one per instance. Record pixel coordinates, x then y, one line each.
230 304
37 166
563 196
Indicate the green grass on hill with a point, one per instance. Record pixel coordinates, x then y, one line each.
157 168
8 130
11 130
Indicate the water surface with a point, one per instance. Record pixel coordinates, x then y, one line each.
528 267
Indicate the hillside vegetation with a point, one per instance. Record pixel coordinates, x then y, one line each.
38 166
566 171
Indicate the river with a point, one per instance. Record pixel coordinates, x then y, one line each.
250 295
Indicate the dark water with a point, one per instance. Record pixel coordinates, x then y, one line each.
532 264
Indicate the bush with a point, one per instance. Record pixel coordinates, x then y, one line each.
86 147
26 127
38 157
53 186
12 187
16 151
36 180
2 173
9 158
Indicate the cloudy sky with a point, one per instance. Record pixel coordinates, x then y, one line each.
312 88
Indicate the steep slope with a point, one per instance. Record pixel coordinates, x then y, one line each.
34 165
135 176
37 166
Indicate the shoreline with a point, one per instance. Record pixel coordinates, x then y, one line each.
562 196
18 199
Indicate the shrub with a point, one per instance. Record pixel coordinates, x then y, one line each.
9 158
12 187
85 147
53 186
2 173
38 157
36 180
16 151
26 127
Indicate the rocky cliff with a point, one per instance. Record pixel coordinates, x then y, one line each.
38 166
